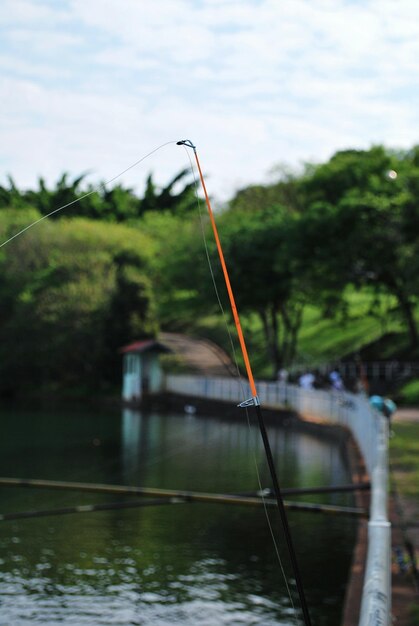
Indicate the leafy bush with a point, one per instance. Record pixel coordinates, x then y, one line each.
409 393
72 291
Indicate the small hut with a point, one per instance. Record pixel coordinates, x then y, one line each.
142 373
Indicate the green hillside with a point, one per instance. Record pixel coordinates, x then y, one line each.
324 340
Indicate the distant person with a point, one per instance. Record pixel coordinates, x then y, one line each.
363 385
306 381
377 402
384 405
282 376
389 408
336 381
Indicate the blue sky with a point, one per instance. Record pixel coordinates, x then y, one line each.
93 85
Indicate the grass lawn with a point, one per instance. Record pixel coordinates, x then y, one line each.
404 458
322 339
404 462
409 393
325 339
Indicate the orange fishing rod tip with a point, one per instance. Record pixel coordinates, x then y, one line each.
228 285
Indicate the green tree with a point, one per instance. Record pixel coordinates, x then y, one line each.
118 204
131 311
179 269
167 198
47 200
69 287
260 249
346 171
11 197
112 204
360 223
286 192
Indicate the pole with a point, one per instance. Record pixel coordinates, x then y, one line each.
254 401
86 508
137 491
170 495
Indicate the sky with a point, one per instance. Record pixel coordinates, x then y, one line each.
95 85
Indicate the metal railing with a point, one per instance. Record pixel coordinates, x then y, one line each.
374 370
376 596
370 430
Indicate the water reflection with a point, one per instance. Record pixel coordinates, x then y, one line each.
188 563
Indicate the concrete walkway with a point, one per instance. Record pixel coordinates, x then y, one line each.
408 414
200 355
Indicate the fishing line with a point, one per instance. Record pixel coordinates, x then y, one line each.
86 195
224 316
271 531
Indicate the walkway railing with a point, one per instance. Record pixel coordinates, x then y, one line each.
370 431
374 371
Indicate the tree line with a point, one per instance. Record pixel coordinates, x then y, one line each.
117 266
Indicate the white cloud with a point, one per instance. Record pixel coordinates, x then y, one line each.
30 12
93 85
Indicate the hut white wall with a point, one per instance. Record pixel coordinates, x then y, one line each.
154 373
131 386
141 372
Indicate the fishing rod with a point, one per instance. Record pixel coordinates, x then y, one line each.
133 490
254 400
169 495
135 504
87 508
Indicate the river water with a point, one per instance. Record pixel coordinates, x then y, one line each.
188 564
